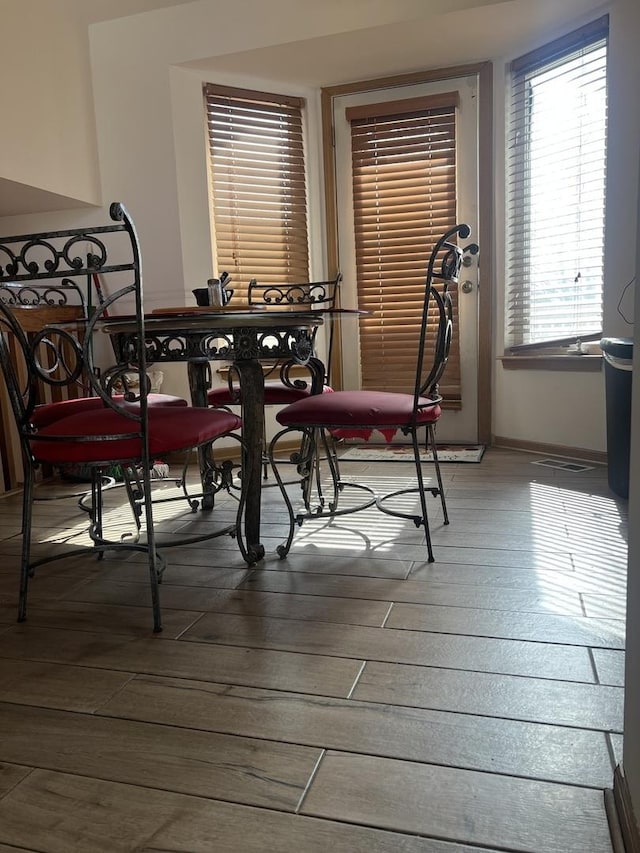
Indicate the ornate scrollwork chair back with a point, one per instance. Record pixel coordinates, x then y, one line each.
312 296
443 271
116 425
357 414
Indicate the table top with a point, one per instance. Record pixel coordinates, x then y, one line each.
210 319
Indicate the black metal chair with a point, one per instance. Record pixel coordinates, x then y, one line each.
356 414
39 304
287 386
116 425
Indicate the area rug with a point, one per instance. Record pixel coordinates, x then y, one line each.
404 453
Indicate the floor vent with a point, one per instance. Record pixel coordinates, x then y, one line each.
564 466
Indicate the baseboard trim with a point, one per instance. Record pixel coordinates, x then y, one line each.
617 841
598 456
621 815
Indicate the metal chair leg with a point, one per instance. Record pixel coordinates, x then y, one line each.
431 433
422 495
27 515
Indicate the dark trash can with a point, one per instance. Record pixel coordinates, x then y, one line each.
618 361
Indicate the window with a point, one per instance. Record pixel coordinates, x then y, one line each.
404 196
556 190
258 189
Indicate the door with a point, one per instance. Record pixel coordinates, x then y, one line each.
457 424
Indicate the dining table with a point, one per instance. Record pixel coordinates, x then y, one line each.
244 338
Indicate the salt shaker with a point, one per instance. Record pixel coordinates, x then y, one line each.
216 298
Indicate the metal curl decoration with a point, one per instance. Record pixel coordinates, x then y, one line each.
51 264
41 294
67 284
290 381
116 211
122 381
211 348
28 296
317 293
67 363
296 294
93 261
238 345
11 268
451 263
273 295
171 344
8 295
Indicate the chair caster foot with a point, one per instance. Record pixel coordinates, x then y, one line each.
282 551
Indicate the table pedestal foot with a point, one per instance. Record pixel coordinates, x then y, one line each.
255 553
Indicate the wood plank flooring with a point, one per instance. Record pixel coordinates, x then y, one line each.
352 697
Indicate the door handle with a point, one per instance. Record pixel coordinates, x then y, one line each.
467 286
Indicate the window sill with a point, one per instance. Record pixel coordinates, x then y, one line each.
570 363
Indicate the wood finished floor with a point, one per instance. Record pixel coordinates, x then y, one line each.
352 697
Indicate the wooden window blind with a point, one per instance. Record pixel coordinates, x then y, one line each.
556 189
258 186
404 195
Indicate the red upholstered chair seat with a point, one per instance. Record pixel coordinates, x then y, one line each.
355 414
47 413
171 428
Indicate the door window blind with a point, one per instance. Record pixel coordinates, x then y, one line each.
404 195
258 187
556 189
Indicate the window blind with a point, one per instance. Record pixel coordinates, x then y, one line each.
258 188
404 195
556 189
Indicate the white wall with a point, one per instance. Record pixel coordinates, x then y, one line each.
48 138
150 121
622 160
551 407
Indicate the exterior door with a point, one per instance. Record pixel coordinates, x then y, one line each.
457 425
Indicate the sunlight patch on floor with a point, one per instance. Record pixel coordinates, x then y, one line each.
609 550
